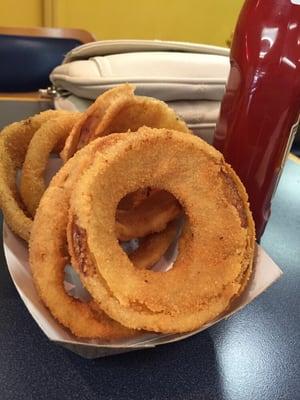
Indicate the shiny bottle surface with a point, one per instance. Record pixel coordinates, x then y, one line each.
260 109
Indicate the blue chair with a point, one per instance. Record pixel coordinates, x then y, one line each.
27 56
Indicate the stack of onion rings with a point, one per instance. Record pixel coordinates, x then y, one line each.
118 187
27 145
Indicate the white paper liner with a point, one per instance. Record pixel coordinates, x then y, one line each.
265 273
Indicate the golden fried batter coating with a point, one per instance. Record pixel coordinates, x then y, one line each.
215 250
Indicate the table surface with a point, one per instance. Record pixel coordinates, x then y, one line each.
15 96
253 355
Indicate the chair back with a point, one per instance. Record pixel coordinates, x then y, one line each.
27 56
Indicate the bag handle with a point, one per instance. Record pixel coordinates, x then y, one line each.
106 47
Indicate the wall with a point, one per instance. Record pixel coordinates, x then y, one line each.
210 21
20 13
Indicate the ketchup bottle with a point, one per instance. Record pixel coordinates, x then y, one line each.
260 110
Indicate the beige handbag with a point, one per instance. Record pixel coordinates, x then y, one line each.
190 77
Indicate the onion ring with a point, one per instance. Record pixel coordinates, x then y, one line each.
216 248
14 141
91 117
48 255
119 110
44 141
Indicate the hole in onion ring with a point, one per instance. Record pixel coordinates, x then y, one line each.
149 221
73 285
158 217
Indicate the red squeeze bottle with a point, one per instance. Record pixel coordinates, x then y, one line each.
260 110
